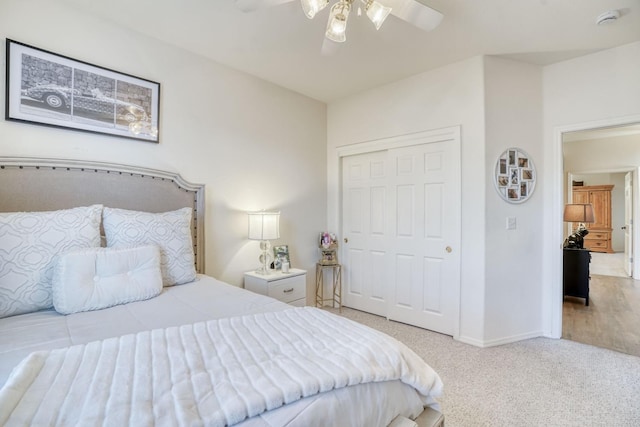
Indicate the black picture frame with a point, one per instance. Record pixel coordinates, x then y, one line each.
49 89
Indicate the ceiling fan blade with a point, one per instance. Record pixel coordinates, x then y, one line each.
415 13
249 5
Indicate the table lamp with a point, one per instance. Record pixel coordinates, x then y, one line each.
264 226
579 212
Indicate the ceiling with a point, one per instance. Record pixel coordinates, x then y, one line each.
280 45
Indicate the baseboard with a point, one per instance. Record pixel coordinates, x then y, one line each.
513 338
471 341
500 341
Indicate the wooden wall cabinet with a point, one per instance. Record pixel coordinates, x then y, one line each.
599 237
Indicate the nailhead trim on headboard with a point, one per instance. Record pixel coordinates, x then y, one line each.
15 191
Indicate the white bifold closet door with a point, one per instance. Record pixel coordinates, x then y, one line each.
401 229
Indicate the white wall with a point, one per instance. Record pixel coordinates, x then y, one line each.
448 96
253 144
513 118
601 155
586 92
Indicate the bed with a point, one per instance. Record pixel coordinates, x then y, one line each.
125 329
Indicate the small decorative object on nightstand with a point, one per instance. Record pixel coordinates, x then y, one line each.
281 256
287 287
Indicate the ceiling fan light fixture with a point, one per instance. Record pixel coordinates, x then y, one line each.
311 7
376 12
337 25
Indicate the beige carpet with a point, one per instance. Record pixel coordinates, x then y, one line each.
537 382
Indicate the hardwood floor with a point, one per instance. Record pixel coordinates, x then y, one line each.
612 319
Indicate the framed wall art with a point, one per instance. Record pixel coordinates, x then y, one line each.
48 89
515 175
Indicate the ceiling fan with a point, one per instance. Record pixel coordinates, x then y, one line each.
411 11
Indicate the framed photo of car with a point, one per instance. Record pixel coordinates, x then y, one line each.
49 89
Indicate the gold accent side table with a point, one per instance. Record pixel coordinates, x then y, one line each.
336 282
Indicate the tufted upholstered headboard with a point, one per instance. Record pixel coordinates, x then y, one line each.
35 184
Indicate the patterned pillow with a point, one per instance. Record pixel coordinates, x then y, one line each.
170 231
97 278
29 242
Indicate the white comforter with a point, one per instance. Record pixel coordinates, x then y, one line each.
218 372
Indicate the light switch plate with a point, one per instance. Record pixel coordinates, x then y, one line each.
511 223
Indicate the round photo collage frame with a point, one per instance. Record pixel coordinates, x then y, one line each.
515 175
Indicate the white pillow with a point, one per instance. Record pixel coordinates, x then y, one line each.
29 241
92 279
170 231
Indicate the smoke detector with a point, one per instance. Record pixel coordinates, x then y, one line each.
607 17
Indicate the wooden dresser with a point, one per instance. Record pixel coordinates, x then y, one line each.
599 237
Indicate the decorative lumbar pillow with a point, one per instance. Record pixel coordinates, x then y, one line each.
29 242
97 278
170 231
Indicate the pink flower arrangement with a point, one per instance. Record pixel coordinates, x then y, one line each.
328 239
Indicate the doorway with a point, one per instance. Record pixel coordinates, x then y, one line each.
611 244
604 157
609 156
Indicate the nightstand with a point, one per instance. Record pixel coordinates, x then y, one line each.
287 287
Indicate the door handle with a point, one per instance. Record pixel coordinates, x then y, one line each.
624 227
346 240
448 249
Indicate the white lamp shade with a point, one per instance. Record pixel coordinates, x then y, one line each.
337 25
264 225
377 13
311 7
